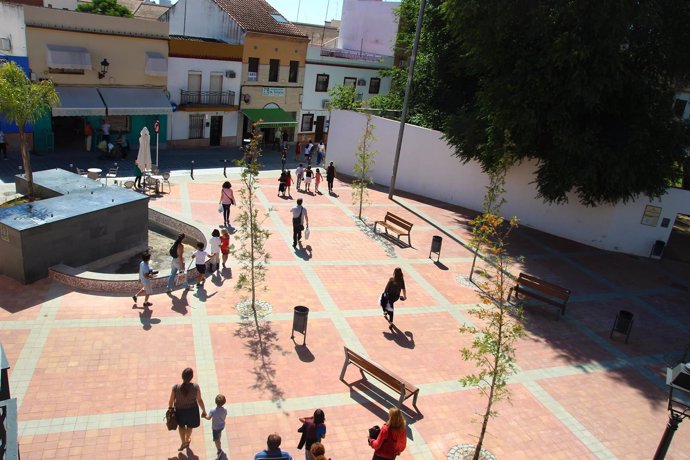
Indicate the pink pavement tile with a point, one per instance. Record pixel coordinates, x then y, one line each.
523 430
447 215
90 305
374 213
423 349
279 246
287 288
208 192
671 305
358 287
319 216
627 272
375 196
22 302
146 442
265 364
13 341
342 245
421 242
445 281
170 205
626 412
93 370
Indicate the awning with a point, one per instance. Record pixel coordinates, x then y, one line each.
270 118
156 64
68 57
78 101
135 101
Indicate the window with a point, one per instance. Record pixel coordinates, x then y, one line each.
194 87
253 69
273 70
196 126
374 85
350 81
215 88
66 71
278 17
679 107
307 121
321 83
119 123
294 69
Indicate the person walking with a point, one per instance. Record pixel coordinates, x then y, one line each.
177 263
330 176
299 173
392 438
299 217
317 180
214 247
227 198
145 276
309 174
186 399
321 154
308 151
288 182
217 416
281 183
285 141
313 430
395 285
224 245
298 150
199 256
137 175
283 157
105 127
88 135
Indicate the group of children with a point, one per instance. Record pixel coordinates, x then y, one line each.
302 176
219 244
309 152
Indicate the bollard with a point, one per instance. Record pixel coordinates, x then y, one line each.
225 166
191 173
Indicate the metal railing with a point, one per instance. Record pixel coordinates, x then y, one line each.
207 97
351 54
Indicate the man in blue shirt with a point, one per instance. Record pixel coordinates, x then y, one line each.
273 450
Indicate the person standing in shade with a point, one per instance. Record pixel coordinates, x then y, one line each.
392 293
298 150
88 135
285 141
273 449
299 218
330 176
283 157
105 127
3 144
137 175
186 399
145 276
227 198
392 438
177 263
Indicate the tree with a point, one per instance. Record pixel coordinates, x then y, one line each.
493 346
344 98
23 102
105 7
249 245
364 163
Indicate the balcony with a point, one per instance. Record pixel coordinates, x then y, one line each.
207 98
351 54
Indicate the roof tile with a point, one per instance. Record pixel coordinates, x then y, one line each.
255 16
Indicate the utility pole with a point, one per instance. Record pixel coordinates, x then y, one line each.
406 103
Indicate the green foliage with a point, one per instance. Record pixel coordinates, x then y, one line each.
493 200
105 7
344 98
249 241
364 163
23 102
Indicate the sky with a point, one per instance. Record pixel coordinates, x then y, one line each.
310 11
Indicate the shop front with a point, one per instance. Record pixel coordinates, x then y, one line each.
271 121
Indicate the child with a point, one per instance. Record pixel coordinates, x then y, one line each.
224 245
317 180
288 182
145 275
200 256
217 415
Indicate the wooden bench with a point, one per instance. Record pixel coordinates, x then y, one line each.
397 225
400 386
531 286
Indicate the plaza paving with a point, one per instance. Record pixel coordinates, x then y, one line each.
93 375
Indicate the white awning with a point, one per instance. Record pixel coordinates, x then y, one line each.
156 64
78 101
68 57
135 101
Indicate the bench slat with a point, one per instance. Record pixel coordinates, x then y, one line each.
383 375
399 221
525 276
559 293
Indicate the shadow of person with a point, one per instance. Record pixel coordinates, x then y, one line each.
333 194
305 355
402 339
304 252
202 295
217 279
146 319
226 272
188 455
180 304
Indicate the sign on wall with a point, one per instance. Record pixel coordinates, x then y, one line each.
651 215
275 92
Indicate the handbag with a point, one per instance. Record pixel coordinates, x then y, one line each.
374 432
171 419
307 232
220 208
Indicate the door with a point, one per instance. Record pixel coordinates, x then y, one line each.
193 88
215 89
216 130
318 129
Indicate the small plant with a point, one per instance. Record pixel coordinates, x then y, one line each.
493 200
249 240
344 98
364 163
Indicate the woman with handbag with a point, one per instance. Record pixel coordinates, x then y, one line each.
392 293
186 399
392 438
227 198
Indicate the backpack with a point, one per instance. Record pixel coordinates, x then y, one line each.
173 250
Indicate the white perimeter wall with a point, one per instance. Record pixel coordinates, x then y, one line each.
428 168
13 28
368 25
178 70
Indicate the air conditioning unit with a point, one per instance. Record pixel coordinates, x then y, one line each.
229 74
252 76
361 82
326 103
5 44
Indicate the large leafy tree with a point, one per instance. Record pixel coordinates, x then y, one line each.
23 102
105 7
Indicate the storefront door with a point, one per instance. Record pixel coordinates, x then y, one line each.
318 129
216 130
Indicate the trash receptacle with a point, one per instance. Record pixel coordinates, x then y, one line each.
436 243
299 322
623 324
657 249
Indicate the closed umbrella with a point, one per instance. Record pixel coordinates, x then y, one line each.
144 156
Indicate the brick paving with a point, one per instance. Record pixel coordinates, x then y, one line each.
93 375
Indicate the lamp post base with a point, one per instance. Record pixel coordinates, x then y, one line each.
671 427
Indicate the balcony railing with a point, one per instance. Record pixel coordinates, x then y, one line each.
207 97
351 54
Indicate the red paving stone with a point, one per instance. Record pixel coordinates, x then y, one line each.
13 342
627 272
445 282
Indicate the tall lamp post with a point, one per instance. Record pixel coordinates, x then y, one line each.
678 379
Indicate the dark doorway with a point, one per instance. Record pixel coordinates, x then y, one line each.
678 247
69 132
318 130
216 130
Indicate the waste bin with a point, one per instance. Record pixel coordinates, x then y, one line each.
657 249
436 243
299 322
623 324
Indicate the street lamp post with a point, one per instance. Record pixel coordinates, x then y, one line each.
677 378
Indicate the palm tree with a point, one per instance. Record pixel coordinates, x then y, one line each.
23 102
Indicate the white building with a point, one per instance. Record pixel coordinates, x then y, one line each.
368 26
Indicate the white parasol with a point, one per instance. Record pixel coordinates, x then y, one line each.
144 156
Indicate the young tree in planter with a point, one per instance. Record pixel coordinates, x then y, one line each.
249 240
23 102
364 162
493 346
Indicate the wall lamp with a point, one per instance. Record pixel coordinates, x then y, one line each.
104 69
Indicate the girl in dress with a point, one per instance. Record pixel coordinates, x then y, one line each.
224 245
317 180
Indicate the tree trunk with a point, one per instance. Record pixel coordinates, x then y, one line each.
252 225
26 162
